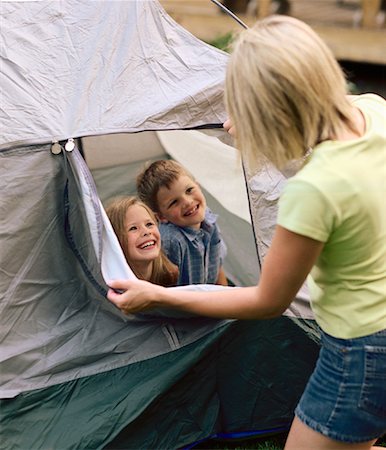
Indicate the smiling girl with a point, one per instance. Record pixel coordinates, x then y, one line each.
137 230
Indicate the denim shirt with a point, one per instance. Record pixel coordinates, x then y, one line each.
197 253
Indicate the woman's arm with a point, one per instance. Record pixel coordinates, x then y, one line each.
286 266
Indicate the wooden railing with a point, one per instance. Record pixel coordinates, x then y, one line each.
353 29
370 10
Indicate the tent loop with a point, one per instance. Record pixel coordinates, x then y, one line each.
70 145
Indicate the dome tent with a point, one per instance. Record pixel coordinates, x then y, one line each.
75 372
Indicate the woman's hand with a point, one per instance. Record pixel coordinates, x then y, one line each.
137 295
229 127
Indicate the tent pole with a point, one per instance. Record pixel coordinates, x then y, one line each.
230 13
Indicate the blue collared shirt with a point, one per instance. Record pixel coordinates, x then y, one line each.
197 253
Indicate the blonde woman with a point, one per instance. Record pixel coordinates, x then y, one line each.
286 97
136 227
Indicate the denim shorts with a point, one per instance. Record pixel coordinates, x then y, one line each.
345 398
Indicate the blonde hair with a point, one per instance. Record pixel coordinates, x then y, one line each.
161 173
164 272
285 92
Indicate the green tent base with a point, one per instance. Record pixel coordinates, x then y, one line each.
244 377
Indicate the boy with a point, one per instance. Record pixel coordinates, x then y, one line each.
190 236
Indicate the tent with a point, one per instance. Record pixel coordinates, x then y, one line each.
75 372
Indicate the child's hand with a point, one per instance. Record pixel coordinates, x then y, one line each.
137 295
222 279
228 126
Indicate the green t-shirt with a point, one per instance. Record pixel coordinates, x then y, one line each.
339 198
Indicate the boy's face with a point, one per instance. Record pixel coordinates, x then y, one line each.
183 204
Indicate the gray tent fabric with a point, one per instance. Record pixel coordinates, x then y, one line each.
223 384
74 68
45 294
77 373
74 371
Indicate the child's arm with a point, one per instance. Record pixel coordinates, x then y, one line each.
222 279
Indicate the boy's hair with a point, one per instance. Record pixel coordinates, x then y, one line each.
164 273
161 173
285 92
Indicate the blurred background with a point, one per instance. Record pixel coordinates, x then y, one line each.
355 30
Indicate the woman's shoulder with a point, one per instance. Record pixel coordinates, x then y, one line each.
371 99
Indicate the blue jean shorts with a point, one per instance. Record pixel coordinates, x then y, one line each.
345 398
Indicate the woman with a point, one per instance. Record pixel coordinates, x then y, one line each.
137 230
286 96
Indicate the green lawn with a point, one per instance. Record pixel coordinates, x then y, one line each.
273 443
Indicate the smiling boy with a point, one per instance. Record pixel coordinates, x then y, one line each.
190 236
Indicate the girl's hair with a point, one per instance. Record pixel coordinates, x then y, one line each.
164 272
285 92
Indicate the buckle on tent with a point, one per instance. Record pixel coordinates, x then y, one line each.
56 148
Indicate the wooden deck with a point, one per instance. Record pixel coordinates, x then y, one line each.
353 32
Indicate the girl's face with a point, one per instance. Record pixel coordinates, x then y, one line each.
143 237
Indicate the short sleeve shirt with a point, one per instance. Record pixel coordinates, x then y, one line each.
197 253
338 198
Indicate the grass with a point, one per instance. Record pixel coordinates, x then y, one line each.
273 443
223 42
265 443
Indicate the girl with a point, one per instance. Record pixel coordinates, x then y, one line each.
136 228
286 96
